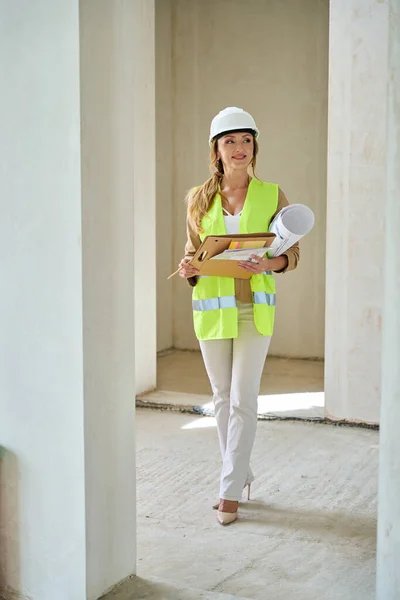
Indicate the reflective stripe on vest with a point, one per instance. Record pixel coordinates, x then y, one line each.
264 298
214 303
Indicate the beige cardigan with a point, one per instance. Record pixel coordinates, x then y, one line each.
242 286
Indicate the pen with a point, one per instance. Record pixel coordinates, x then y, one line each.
172 274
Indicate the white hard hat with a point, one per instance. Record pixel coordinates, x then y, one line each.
232 119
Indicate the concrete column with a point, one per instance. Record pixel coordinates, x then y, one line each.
145 197
355 220
388 573
67 496
108 60
165 167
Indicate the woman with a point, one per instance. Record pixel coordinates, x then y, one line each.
234 317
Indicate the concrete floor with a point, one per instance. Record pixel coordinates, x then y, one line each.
289 388
137 588
308 534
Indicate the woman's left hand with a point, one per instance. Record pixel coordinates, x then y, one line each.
258 266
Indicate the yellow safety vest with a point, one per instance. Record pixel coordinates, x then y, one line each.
215 313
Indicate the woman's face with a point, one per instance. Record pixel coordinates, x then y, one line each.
236 150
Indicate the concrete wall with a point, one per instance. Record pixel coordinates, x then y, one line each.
355 224
272 59
67 527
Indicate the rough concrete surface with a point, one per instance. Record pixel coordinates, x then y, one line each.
308 534
137 588
289 388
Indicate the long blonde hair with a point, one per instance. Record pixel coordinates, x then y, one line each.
199 199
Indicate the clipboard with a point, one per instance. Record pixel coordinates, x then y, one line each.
213 245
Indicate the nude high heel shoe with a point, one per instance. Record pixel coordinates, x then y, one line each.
226 518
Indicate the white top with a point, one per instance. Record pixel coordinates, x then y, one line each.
232 222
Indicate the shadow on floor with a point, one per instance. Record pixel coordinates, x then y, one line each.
337 524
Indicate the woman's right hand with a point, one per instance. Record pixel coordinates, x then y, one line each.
186 270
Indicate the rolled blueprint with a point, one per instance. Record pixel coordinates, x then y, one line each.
289 226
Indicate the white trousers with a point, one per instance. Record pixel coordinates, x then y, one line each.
234 367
